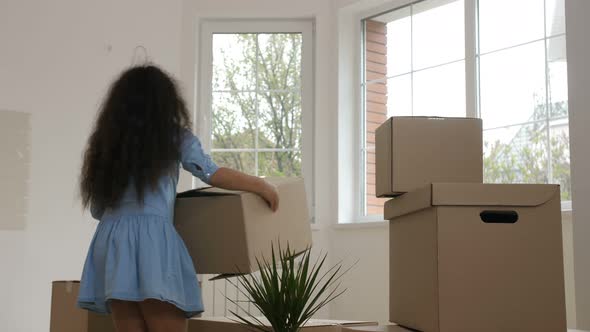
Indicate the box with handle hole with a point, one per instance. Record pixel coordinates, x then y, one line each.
477 257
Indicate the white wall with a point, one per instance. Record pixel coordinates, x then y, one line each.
55 63
367 284
578 53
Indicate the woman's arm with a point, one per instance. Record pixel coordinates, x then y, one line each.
227 178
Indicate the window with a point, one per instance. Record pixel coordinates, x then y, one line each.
523 92
417 61
256 106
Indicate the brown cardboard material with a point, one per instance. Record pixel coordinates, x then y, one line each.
376 328
412 152
67 317
225 231
226 324
452 272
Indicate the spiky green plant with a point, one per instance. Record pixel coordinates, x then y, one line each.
288 291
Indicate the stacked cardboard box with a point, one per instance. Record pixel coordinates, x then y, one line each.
67 317
465 256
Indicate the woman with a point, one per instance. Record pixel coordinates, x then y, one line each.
137 266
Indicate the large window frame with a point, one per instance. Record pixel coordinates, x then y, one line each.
472 84
204 87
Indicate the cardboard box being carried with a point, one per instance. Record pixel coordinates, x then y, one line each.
67 317
225 231
412 152
477 257
225 324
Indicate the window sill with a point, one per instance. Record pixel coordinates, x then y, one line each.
361 225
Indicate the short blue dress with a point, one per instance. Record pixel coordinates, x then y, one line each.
136 253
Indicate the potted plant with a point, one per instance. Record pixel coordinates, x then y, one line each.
288 291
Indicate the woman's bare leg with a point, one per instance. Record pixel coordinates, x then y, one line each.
162 316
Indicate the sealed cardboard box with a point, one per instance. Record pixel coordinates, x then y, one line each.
225 231
67 317
376 328
477 257
226 324
412 152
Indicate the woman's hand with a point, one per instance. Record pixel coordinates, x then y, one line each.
270 195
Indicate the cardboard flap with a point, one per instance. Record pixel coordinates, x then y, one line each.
226 276
477 194
328 322
213 191
412 117
470 194
408 203
206 192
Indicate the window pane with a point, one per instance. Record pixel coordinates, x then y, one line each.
440 91
234 120
555 17
241 161
234 59
516 154
279 61
375 50
557 66
512 85
279 163
558 103
399 96
399 41
504 23
280 120
439 32
560 157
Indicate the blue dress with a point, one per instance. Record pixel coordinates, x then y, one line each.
136 253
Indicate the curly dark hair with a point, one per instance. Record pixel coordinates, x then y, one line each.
136 138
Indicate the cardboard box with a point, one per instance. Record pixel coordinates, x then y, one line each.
225 231
376 328
226 324
412 152
67 317
477 257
